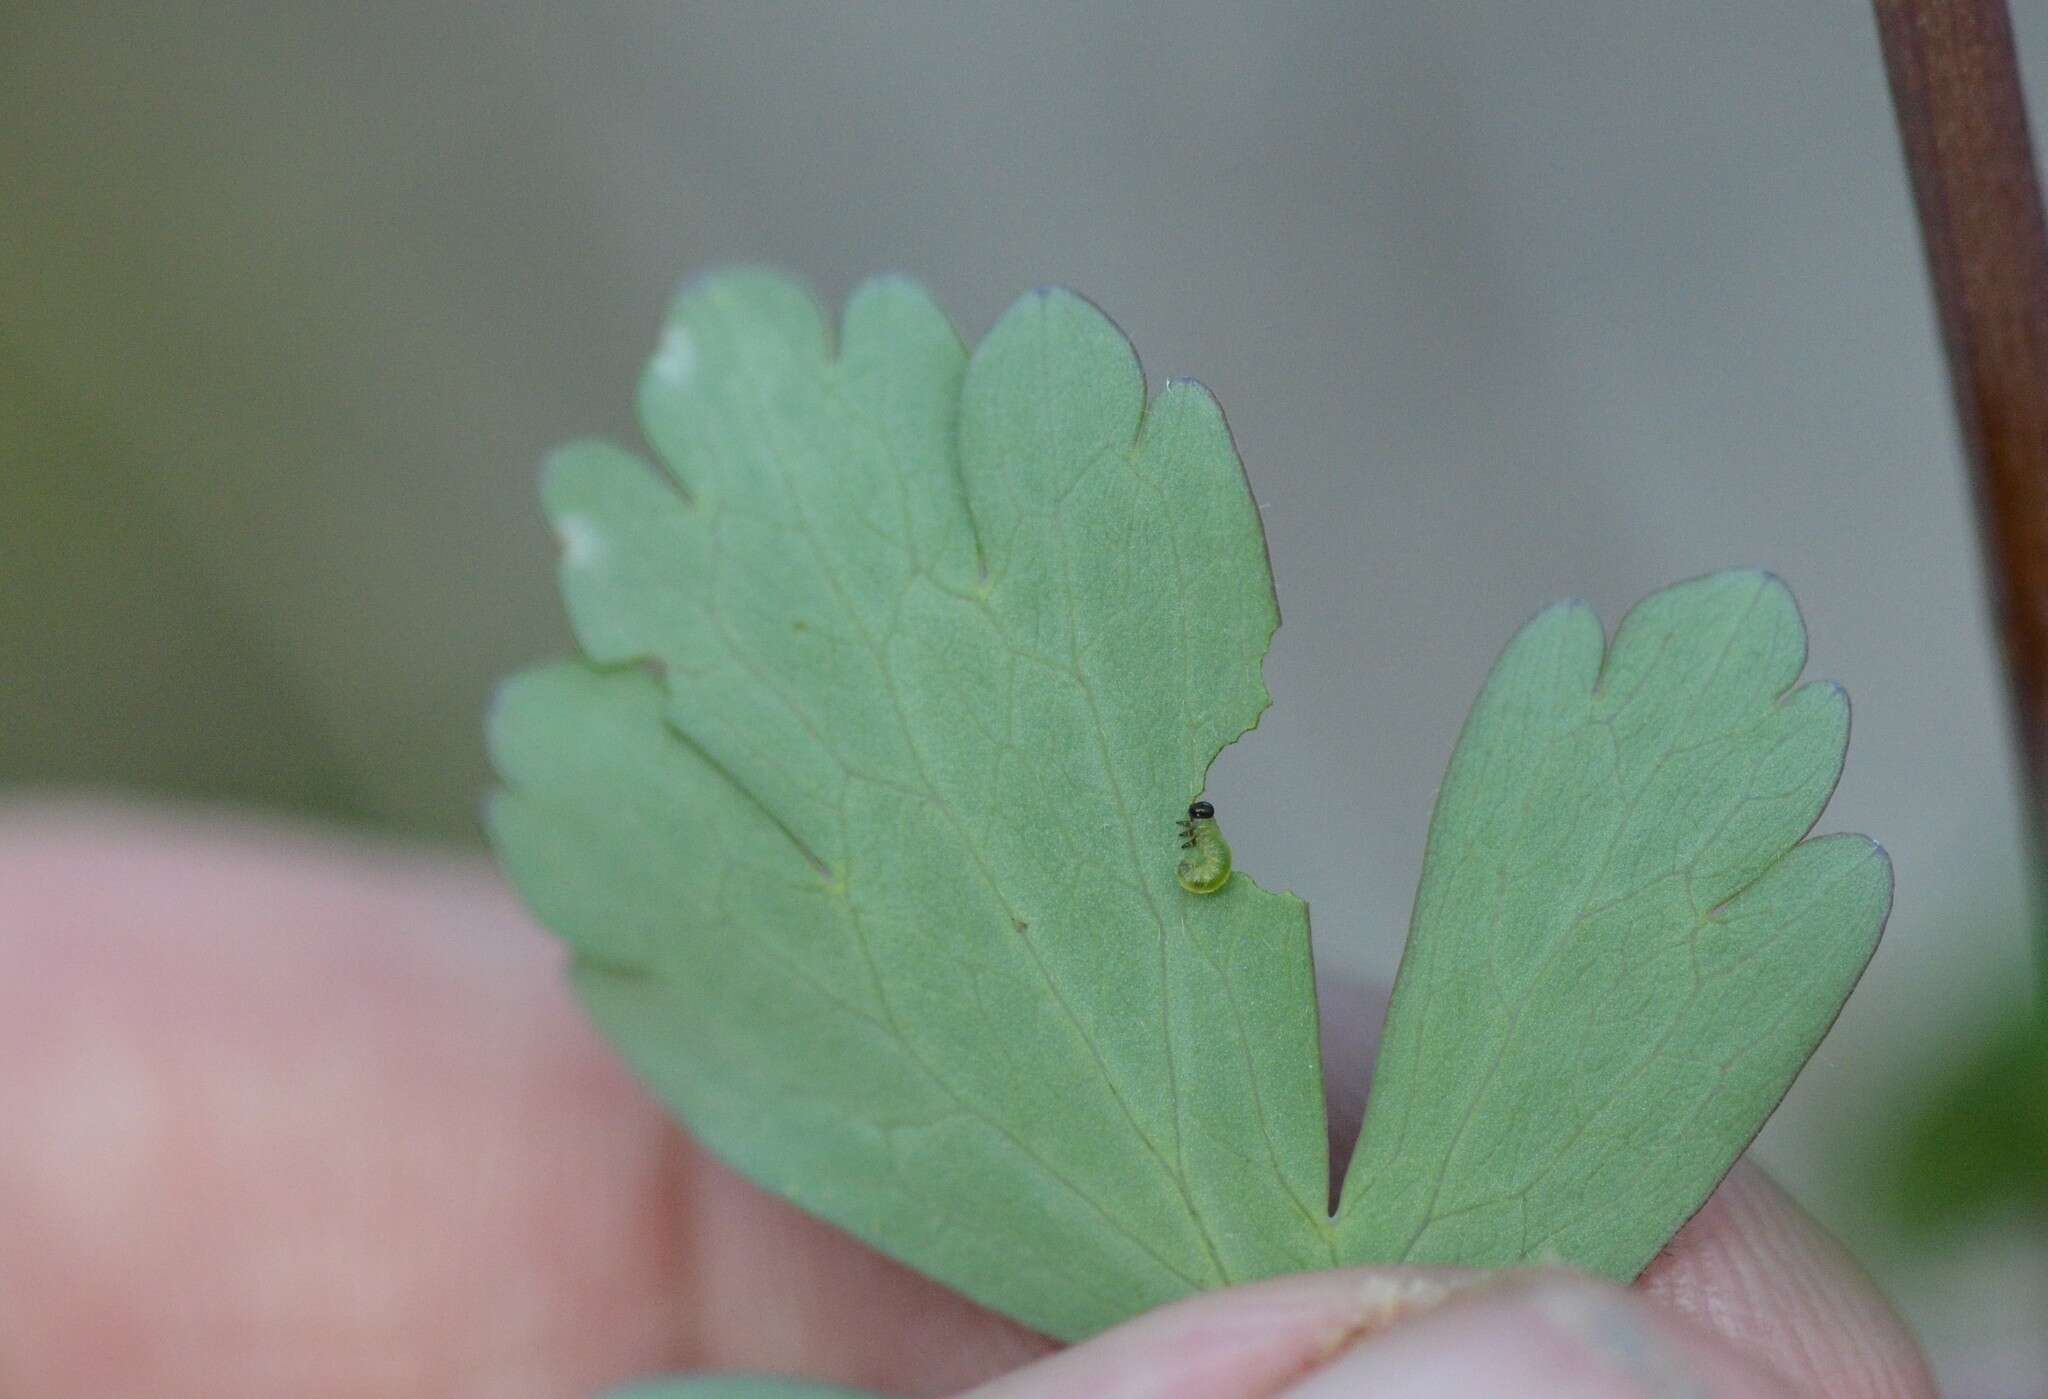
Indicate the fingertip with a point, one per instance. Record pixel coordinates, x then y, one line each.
1254 1339
286 1103
1543 1335
1757 1268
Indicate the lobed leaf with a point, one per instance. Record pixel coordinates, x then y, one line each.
874 882
1620 957
859 818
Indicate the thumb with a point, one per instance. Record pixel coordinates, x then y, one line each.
1544 1336
1244 1342
1394 1333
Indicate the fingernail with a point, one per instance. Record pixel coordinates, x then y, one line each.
1249 1340
1547 1335
1386 1299
1383 1300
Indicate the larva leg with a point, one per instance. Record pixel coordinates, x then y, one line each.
1208 868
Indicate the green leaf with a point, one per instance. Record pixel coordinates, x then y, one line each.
888 909
861 822
1619 957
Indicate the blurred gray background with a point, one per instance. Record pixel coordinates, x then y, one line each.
1506 302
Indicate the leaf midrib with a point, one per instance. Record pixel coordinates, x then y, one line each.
1174 1171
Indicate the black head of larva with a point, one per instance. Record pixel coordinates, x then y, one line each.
1201 811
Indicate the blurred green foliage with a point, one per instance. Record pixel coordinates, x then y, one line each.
127 666
1977 1143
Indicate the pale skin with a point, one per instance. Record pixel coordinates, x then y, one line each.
284 1114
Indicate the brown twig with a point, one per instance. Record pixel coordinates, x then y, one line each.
1956 85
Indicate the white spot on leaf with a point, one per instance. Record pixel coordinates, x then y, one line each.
676 361
582 545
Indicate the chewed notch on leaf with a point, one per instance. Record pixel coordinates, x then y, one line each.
895 658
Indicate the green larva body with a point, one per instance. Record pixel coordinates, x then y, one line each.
1207 866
